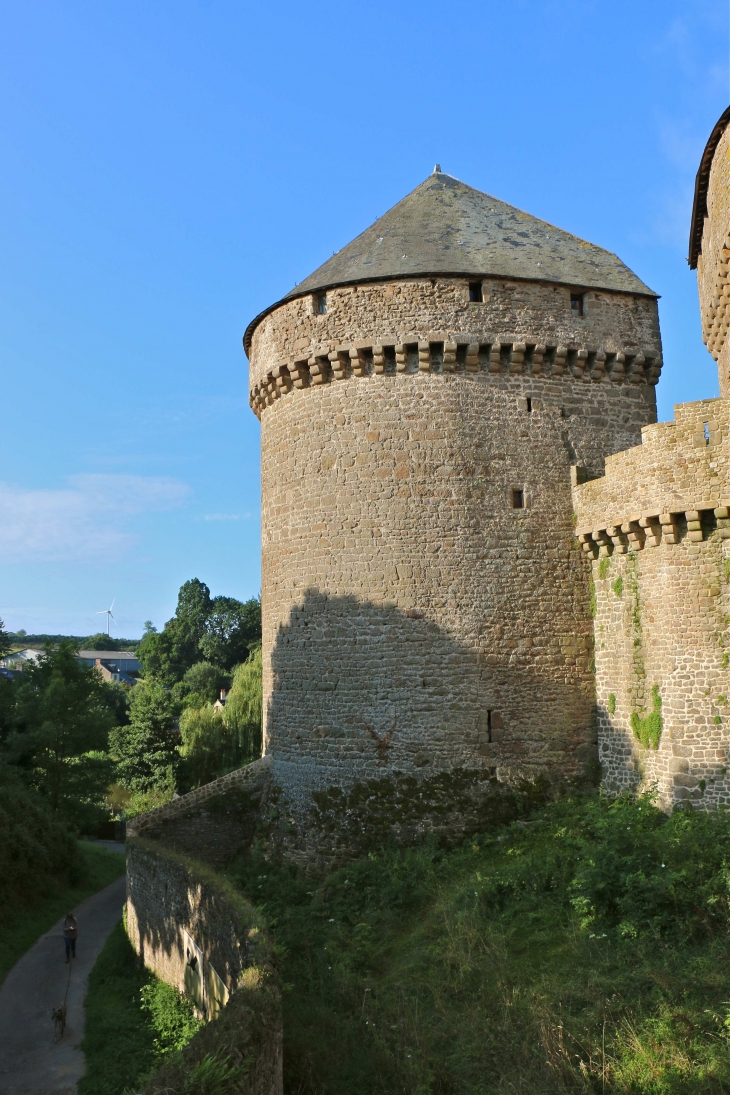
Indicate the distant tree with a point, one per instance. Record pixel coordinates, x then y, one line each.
243 712
232 628
145 750
166 655
219 630
149 628
61 724
208 747
5 640
202 679
101 641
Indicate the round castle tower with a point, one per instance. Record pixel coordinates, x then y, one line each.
425 398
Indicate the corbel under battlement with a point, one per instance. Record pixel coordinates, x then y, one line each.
651 529
442 354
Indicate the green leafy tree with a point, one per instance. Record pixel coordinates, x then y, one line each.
102 641
61 723
219 630
168 654
145 750
243 712
232 629
209 748
5 641
203 680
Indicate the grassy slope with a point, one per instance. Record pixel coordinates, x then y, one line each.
132 1021
21 928
585 951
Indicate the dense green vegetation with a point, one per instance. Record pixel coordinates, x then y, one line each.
132 1021
582 950
92 749
31 903
217 630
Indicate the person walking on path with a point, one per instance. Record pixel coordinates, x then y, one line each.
70 931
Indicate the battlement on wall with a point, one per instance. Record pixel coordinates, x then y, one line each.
444 354
674 484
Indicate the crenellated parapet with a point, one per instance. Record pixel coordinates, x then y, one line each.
675 484
444 354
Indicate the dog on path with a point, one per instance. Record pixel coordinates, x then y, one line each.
59 1021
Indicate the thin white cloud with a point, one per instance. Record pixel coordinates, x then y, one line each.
228 517
87 520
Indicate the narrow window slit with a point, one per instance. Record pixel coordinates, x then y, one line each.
518 498
475 292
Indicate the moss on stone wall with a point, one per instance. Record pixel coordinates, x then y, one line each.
403 809
648 730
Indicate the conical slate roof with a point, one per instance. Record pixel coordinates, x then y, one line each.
445 227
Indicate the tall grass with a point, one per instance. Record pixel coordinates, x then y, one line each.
585 950
133 1021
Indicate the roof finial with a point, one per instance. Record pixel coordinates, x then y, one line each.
437 169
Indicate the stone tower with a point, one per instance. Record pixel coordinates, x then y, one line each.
425 398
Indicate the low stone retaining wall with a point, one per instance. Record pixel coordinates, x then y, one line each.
196 932
252 777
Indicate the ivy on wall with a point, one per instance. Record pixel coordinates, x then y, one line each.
648 730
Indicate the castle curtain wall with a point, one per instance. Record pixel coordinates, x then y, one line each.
657 530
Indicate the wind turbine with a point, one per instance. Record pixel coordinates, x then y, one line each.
108 613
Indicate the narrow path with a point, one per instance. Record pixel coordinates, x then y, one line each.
30 1063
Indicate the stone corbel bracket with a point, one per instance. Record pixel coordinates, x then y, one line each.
651 529
444 354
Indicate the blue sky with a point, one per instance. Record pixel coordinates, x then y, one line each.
167 170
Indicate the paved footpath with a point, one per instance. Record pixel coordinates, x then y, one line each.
30 1062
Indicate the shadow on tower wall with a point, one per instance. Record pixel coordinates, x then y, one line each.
381 723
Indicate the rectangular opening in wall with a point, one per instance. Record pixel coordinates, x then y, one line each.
529 404
475 292
389 361
706 429
576 303
489 725
320 303
518 498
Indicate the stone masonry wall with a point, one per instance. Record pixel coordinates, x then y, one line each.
252 777
185 923
657 530
714 263
425 606
412 618
438 310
